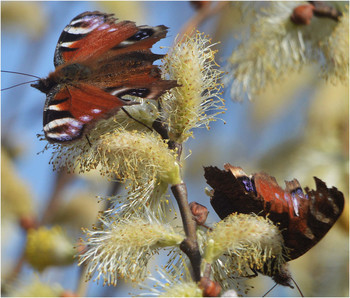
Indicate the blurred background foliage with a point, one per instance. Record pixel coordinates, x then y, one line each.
297 127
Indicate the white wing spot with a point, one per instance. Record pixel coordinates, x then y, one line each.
87 19
103 27
81 30
57 136
295 205
95 111
54 108
67 44
126 43
85 118
71 122
117 91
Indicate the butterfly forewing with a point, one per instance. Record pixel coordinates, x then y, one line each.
91 35
77 37
117 53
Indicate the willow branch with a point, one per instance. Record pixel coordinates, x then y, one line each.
62 180
202 14
189 246
323 10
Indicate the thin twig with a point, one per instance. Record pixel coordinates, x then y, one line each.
202 14
62 180
189 246
323 10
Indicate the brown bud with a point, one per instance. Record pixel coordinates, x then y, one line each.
199 212
28 222
302 14
210 288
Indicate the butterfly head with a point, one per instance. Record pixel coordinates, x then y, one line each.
44 85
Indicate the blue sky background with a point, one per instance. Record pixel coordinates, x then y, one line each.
237 141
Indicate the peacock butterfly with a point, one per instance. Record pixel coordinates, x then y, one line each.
98 61
302 217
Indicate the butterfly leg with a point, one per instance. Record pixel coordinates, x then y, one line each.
255 274
128 114
270 290
88 140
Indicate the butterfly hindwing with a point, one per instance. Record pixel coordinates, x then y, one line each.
233 191
72 110
59 124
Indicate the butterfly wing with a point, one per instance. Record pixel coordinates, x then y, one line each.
233 191
303 218
71 110
90 34
98 61
117 53
324 206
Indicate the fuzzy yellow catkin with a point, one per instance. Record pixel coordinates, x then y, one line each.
137 156
185 289
249 238
275 46
172 281
124 247
34 287
47 247
196 101
336 52
16 200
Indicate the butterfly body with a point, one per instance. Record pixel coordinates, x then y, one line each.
97 62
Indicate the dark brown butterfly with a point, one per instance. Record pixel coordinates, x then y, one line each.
97 62
302 217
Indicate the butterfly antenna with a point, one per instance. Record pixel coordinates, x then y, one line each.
269 290
138 121
21 73
18 85
300 292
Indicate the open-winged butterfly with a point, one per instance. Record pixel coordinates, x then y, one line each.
97 62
